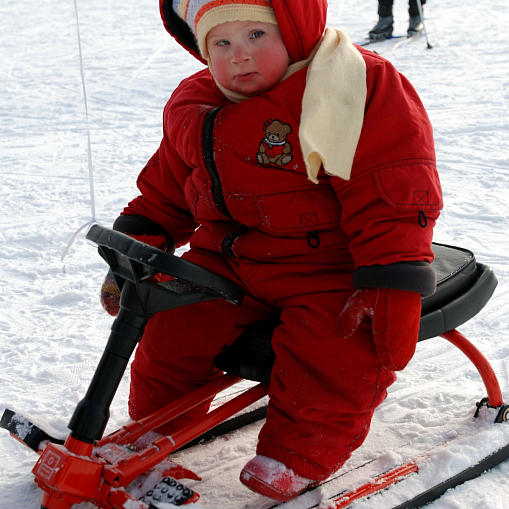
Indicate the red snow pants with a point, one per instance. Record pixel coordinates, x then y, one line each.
323 389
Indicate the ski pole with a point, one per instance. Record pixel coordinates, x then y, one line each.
421 14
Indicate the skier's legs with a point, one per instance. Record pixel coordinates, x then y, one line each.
323 390
384 26
413 9
385 8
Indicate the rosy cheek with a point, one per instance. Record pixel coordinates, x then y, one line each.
221 72
275 64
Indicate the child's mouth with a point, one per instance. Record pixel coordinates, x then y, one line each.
245 77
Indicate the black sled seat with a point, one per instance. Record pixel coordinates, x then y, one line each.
464 286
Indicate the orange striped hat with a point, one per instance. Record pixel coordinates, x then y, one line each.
203 15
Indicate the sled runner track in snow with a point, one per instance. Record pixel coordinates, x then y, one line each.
106 466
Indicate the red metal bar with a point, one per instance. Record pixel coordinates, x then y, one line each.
379 484
481 363
220 414
71 474
129 433
121 474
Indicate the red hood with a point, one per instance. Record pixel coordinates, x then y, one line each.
301 22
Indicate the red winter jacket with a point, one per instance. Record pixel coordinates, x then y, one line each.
208 183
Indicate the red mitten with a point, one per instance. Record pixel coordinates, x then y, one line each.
395 319
110 293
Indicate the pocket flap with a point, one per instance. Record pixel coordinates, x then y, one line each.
411 186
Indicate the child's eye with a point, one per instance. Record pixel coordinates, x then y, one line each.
222 43
257 33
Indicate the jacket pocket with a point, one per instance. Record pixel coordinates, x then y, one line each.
299 211
412 186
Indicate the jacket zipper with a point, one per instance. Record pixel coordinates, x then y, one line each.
229 240
207 142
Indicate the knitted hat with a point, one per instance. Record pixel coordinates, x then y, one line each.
203 15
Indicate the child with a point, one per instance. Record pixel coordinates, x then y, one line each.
302 168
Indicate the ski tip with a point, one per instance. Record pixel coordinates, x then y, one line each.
25 431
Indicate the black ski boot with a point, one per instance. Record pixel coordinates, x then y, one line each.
383 29
415 25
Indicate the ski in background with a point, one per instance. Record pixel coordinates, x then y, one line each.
392 43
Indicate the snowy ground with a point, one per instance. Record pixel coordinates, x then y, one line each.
52 326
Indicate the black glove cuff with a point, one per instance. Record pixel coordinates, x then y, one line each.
419 277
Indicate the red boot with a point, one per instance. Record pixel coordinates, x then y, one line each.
273 479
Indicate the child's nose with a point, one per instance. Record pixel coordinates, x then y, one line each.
240 54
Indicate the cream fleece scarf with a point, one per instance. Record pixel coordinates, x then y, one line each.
329 129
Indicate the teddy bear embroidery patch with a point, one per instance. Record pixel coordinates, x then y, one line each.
274 148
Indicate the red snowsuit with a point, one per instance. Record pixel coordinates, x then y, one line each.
293 245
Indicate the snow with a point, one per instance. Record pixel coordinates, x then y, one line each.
53 328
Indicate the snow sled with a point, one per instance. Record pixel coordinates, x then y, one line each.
88 467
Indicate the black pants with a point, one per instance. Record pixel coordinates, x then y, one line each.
385 7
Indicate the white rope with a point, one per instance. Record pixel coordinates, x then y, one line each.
89 145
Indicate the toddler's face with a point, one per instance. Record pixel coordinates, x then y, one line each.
247 57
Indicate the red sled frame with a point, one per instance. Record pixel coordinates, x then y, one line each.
97 469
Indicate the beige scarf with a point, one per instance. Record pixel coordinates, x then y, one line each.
329 129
